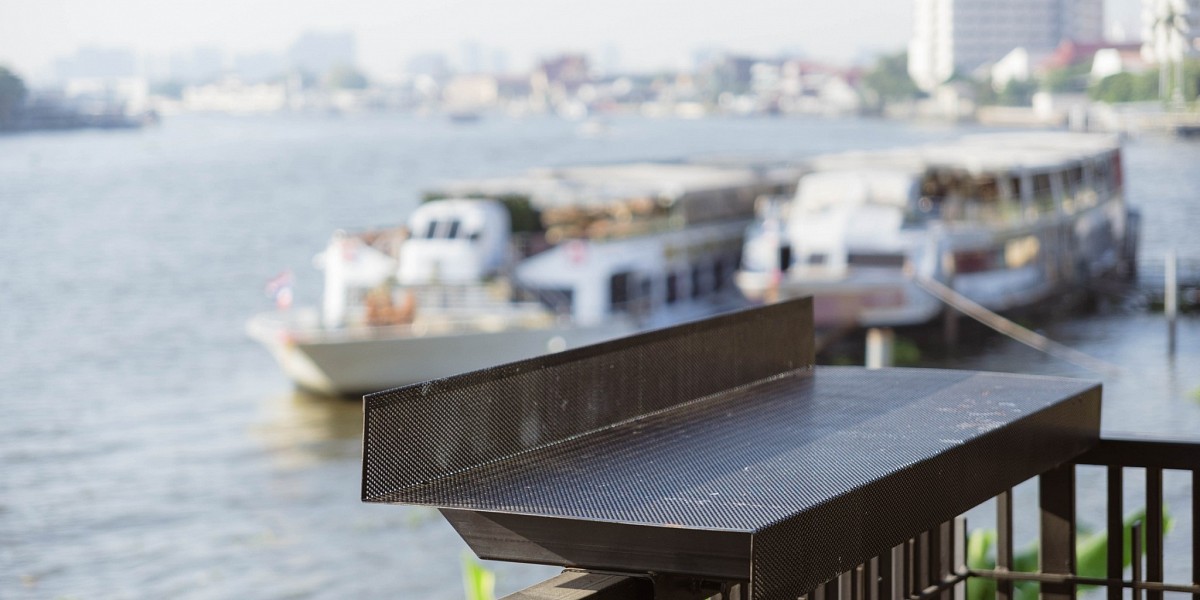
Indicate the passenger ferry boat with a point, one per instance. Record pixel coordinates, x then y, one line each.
1005 220
492 271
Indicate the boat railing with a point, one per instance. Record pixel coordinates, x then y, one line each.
530 317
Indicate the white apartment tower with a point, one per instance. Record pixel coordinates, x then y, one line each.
961 35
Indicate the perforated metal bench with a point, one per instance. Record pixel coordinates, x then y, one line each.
716 454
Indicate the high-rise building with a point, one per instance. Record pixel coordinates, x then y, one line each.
959 36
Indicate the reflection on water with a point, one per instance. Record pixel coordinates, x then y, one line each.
300 429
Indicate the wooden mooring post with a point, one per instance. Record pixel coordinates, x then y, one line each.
881 346
1171 297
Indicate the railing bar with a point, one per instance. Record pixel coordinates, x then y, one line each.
1196 530
1116 523
819 592
1136 543
1056 499
960 556
945 555
1004 542
921 564
833 589
891 571
940 587
933 557
910 568
871 579
860 582
1154 530
846 585
1096 581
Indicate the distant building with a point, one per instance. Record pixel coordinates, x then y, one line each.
259 66
569 69
231 95
960 36
91 62
317 53
470 92
1108 58
434 65
199 65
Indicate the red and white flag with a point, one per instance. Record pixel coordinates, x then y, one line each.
279 289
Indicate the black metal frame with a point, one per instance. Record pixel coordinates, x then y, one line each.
932 564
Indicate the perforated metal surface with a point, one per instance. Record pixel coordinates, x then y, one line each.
714 449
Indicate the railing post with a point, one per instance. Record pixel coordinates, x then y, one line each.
1056 498
1196 530
1171 298
1004 543
1154 530
1116 523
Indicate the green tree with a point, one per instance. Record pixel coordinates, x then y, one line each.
12 95
1114 88
889 78
1126 87
1072 78
1017 93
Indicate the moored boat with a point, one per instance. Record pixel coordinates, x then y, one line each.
1006 220
491 271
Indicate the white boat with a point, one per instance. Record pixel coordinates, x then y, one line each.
617 249
1005 220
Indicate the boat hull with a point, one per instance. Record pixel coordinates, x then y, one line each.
352 363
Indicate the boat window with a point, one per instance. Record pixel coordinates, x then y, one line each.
454 225
1072 188
718 275
618 287
957 196
475 235
697 282
1043 194
645 297
1101 176
1087 197
672 288
976 261
558 300
431 231
1017 189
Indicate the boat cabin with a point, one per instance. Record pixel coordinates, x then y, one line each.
455 241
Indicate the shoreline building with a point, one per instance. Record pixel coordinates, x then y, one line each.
959 36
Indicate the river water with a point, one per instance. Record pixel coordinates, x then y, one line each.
149 449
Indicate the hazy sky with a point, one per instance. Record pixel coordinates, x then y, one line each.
648 33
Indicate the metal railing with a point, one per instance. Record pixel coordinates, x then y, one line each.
933 563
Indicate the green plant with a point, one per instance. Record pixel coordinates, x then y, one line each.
478 581
1091 557
906 353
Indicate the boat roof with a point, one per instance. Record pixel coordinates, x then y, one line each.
982 153
596 185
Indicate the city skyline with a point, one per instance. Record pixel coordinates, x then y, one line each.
636 37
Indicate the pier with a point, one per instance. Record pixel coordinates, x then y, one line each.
714 460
